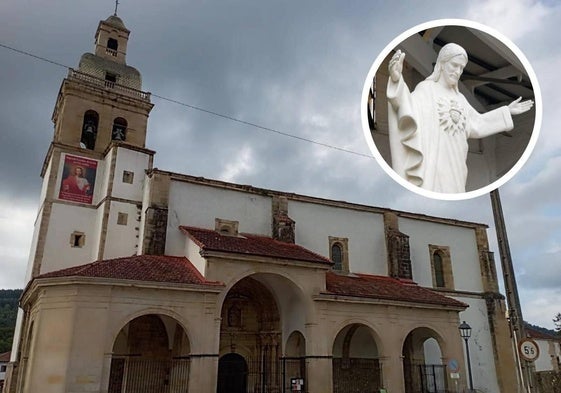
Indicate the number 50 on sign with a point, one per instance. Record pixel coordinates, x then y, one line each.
528 349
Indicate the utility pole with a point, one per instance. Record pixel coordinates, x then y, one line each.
513 301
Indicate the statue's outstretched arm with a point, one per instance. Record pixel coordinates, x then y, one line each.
517 107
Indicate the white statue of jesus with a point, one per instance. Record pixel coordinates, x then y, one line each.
429 127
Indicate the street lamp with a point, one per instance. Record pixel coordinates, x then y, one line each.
465 332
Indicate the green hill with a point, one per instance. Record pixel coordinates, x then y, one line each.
8 311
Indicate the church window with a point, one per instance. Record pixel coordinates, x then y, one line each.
119 132
122 218
337 256
441 267
77 239
89 130
128 177
339 253
438 270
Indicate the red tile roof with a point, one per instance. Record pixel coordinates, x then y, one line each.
385 288
5 357
535 333
248 244
156 268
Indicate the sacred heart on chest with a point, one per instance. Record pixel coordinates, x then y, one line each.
451 116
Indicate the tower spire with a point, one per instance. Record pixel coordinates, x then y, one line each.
116 5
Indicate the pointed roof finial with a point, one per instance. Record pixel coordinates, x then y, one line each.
116 5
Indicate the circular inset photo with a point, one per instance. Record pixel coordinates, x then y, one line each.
451 109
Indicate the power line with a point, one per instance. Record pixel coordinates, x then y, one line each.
259 126
32 55
208 111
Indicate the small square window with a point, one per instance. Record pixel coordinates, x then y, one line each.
122 218
77 239
128 177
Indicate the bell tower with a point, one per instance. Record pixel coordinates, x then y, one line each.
93 174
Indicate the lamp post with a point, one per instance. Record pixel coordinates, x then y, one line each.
465 332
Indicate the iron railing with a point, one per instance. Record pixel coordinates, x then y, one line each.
135 375
356 375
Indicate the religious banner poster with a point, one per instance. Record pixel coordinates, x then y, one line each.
78 179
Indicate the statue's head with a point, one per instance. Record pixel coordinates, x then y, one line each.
450 64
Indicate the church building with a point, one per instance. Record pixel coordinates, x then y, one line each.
148 281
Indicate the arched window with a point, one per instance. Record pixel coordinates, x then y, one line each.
438 270
112 44
89 130
337 256
119 132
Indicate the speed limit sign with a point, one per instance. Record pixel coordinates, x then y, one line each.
528 349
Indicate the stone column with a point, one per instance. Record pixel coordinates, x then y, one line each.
319 362
203 373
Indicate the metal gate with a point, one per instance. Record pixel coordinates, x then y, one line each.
356 375
433 378
134 375
425 378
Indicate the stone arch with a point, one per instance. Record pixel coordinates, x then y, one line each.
257 329
295 345
359 321
423 352
150 352
294 359
121 323
356 359
287 292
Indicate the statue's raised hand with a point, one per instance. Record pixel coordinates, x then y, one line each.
517 107
396 65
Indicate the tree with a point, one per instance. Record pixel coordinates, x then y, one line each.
557 322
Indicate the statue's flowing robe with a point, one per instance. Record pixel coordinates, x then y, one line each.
428 131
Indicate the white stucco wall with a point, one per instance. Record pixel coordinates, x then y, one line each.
480 345
543 362
135 162
46 177
121 240
102 179
463 252
192 252
365 231
64 220
199 205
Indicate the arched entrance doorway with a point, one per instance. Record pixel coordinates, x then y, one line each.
232 374
356 367
294 363
423 368
250 330
150 355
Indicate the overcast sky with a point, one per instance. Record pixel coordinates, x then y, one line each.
298 67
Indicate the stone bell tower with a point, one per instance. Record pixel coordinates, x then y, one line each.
94 169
